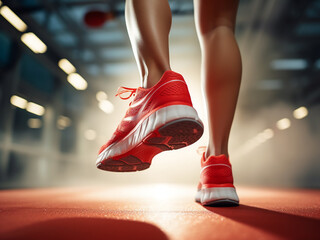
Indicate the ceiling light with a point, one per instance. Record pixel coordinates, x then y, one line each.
264 136
106 106
63 122
33 42
267 133
12 18
77 81
66 66
90 134
283 124
260 139
289 64
300 112
34 123
101 96
35 108
18 102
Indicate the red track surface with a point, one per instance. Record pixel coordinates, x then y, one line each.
156 212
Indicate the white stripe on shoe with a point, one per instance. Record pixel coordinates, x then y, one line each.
210 196
212 165
146 126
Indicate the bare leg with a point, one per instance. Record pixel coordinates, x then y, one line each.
221 68
149 23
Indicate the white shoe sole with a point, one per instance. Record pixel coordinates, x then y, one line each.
218 196
157 120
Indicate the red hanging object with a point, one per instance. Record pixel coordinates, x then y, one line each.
96 18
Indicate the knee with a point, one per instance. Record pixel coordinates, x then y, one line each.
217 31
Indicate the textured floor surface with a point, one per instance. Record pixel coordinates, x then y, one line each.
156 212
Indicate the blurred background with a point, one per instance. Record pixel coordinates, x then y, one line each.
61 62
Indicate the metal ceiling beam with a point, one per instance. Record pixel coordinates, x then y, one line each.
71 25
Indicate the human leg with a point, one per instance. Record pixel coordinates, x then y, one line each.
148 23
221 73
160 116
221 68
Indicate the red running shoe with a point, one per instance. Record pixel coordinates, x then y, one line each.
159 118
216 182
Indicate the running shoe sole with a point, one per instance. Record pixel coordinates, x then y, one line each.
168 128
217 197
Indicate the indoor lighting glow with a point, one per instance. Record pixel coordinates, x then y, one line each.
34 123
289 64
255 141
66 66
12 18
90 134
300 112
63 122
283 124
101 96
267 133
264 136
0 3
18 102
77 81
33 42
106 106
35 108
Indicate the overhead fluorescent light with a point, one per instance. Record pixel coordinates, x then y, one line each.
283 124
12 18
106 106
66 66
33 42
34 123
77 81
35 108
90 134
267 133
300 112
289 64
101 95
18 102
264 136
63 122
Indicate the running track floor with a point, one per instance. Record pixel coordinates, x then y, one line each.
156 212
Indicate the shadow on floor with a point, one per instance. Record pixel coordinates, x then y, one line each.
283 225
87 228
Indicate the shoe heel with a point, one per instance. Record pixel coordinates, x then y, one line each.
218 196
176 134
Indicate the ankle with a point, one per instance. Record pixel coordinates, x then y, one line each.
152 76
216 152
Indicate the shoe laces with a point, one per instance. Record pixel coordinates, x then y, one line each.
123 90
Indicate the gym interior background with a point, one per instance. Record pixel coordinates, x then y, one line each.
61 63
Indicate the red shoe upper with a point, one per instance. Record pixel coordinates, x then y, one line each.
216 171
170 90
